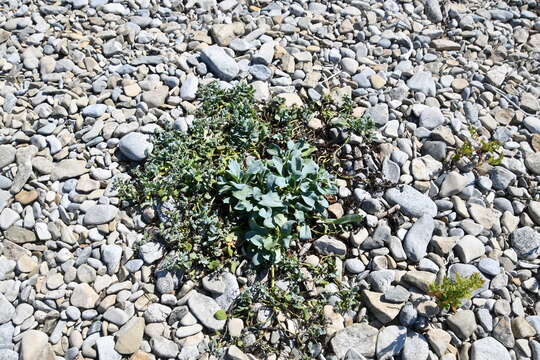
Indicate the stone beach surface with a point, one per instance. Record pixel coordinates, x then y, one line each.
85 83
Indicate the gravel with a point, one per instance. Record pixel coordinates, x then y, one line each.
78 276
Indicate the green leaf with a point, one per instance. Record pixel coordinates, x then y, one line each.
278 164
304 232
268 223
309 201
242 194
220 315
280 181
269 243
270 199
280 219
234 169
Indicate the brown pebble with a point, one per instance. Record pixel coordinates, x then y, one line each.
27 197
535 142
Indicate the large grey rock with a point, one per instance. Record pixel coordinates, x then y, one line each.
163 347
7 155
359 337
105 349
20 235
204 308
328 245
381 280
94 110
418 237
7 311
469 248
501 177
422 82
100 214
84 296
532 124
453 184
188 91
411 201
116 316
390 342
135 146
433 11
416 347
69 168
462 323
111 254
151 252
129 337
383 310
220 63
156 313
488 349
230 292
431 117
35 346
526 242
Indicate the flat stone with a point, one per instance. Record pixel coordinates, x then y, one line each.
105 349
532 124
5 196
7 218
488 349
327 245
234 353
20 235
163 347
35 346
94 110
27 197
453 184
84 296
534 211
383 310
220 63
185 331
532 162
291 99
411 201
204 308
445 44
419 279
416 347
462 323
469 248
433 10
69 168
116 316
135 146
502 331
130 335
100 214
422 82
361 338
431 117
439 340
522 329
526 242
390 342
188 91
